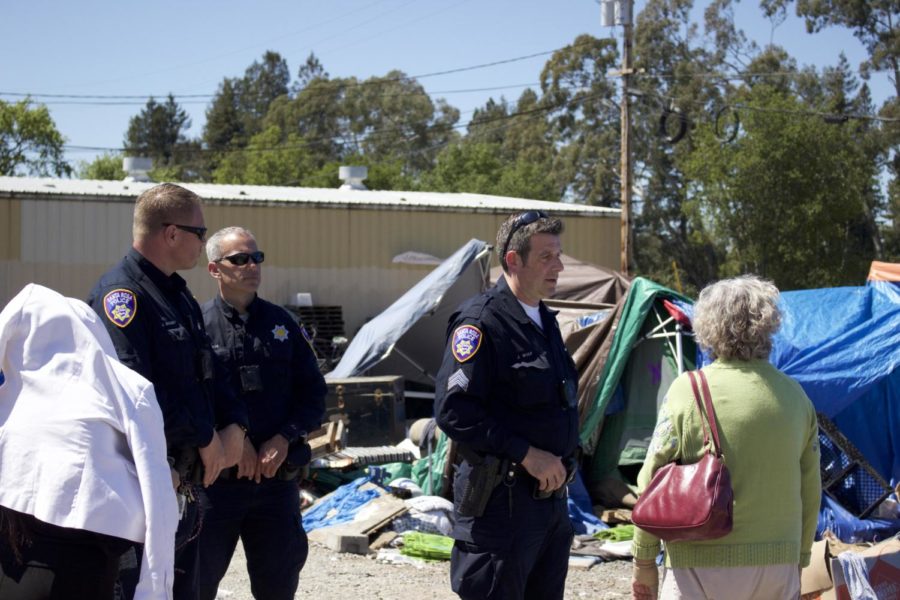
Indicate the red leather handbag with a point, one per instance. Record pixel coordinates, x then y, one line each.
690 502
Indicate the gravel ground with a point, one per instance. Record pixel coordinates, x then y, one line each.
330 575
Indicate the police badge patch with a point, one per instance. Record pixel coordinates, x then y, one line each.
120 307
466 341
280 333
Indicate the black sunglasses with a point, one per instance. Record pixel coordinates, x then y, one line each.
242 258
200 232
521 221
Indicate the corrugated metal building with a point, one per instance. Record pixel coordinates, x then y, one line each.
336 244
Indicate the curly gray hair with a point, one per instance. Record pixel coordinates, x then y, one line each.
736 318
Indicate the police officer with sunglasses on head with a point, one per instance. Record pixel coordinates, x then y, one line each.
506 395
276 373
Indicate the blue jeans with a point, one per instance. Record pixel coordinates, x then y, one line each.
266 518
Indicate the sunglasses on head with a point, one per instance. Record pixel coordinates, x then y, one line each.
521 221
242 258
200 232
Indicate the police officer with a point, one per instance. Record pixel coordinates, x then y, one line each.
157 329
278 378
506 394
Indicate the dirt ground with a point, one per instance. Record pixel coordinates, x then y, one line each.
329 575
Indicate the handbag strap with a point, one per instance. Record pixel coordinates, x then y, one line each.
710 411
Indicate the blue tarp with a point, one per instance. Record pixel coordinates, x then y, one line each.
340 507
843 346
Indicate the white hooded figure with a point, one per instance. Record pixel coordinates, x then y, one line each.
81 435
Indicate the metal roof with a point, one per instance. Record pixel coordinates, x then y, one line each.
116 191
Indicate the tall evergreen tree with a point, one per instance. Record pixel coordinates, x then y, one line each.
157 131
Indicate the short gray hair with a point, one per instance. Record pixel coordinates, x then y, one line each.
214 243
736 318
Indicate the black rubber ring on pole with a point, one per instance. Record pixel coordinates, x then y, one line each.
663 125
721 129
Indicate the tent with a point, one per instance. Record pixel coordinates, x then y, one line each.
648 344
843 346
408 337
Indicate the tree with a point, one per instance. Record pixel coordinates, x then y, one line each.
224 125
392 117
30 142
875 23
479 168
269 159
786 199
157 131
262 83
578 95
308 72
107 166
671 91
237 111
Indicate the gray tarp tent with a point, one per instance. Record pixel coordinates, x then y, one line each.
408 337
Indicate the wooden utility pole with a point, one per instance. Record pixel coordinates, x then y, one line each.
626 175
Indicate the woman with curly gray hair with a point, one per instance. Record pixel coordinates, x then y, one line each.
769 437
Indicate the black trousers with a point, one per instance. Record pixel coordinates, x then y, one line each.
518 550
40 561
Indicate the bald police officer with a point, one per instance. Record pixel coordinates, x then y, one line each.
506 394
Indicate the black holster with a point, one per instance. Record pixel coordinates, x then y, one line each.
486 474
188 465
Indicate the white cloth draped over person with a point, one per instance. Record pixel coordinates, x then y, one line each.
81 435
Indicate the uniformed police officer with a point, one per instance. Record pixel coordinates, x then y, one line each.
278 378
506 394
157 329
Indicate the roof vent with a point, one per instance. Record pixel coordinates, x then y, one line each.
136 168
353 177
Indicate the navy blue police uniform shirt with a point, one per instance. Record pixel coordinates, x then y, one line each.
157 329
504 383
289 397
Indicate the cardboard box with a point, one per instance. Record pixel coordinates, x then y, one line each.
815 580
883 565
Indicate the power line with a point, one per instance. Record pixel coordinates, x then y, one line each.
371 81
670 100
112 100
342 140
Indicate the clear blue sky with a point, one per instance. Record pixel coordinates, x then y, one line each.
94 47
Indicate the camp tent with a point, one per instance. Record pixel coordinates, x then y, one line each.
843 346
408 337
649 344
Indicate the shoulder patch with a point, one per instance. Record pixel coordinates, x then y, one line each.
466 342
120 307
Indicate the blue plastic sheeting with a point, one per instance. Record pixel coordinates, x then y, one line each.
833 517
581 510
340 507
843 346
